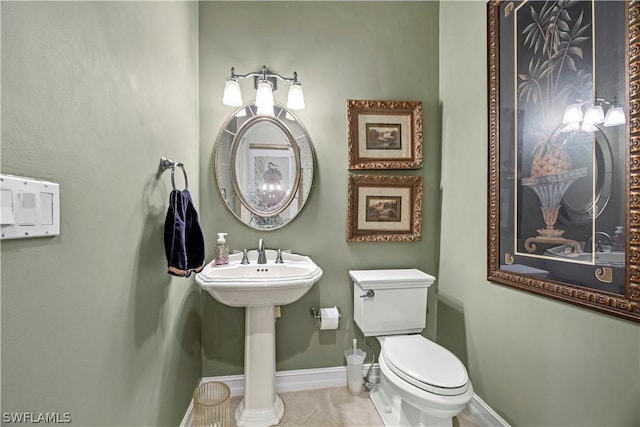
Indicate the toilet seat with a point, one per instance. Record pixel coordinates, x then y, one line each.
425 365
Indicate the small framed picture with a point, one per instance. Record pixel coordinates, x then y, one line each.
384 208
384 134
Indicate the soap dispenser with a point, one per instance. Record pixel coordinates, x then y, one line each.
221 256
618 240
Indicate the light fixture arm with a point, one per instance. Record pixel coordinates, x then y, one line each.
597 100
614 102
265 74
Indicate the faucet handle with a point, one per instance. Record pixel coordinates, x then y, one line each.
245 258
279 257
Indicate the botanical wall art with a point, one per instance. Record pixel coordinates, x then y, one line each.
564 205
384 134
384 208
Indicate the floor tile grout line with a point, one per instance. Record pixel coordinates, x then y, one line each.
309 417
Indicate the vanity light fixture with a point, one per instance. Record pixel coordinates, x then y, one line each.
265 83
594 115
572 114
264 97
615 116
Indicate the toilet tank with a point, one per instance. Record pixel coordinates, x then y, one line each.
397 301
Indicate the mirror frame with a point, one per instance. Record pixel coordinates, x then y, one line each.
625 306
603 189
298 194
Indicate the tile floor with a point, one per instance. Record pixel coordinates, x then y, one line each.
333 407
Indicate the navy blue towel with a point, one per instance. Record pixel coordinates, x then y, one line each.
183 239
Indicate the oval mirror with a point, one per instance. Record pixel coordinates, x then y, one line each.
580 205
264 166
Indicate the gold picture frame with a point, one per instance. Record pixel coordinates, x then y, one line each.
384 134
384 208
567 231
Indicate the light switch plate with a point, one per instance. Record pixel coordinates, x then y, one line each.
30 207
6 214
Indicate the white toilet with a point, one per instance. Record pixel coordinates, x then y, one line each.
421 383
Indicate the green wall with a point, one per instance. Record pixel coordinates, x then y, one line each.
341 51
93 93
536 361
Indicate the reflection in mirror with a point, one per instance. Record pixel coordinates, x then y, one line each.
264 166
579 206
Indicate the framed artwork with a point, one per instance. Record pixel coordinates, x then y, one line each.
384 134
384 208
564 151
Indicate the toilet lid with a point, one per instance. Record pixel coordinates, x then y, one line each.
425 364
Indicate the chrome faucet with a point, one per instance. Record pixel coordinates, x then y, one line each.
597 237
262 258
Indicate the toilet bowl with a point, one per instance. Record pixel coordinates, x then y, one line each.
421 382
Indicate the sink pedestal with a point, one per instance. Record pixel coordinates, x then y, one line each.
259 288
261 405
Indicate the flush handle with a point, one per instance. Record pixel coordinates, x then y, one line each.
369 294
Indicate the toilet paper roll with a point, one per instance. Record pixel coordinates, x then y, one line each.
329 318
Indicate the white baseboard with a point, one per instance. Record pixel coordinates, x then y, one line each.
484 414
288 381
314 379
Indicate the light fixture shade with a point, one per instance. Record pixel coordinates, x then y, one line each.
615 117
232 94
593 116
264 98
295 100
572 114
571 127
588 127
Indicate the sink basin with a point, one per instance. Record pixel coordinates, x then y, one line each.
604 258
603 270
256 284
258 288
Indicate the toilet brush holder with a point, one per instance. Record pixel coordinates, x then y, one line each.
355 366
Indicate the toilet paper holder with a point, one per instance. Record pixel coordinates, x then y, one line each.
315 312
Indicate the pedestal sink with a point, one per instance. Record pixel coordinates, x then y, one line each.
259 287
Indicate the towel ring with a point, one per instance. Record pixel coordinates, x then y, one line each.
184 172
170 164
